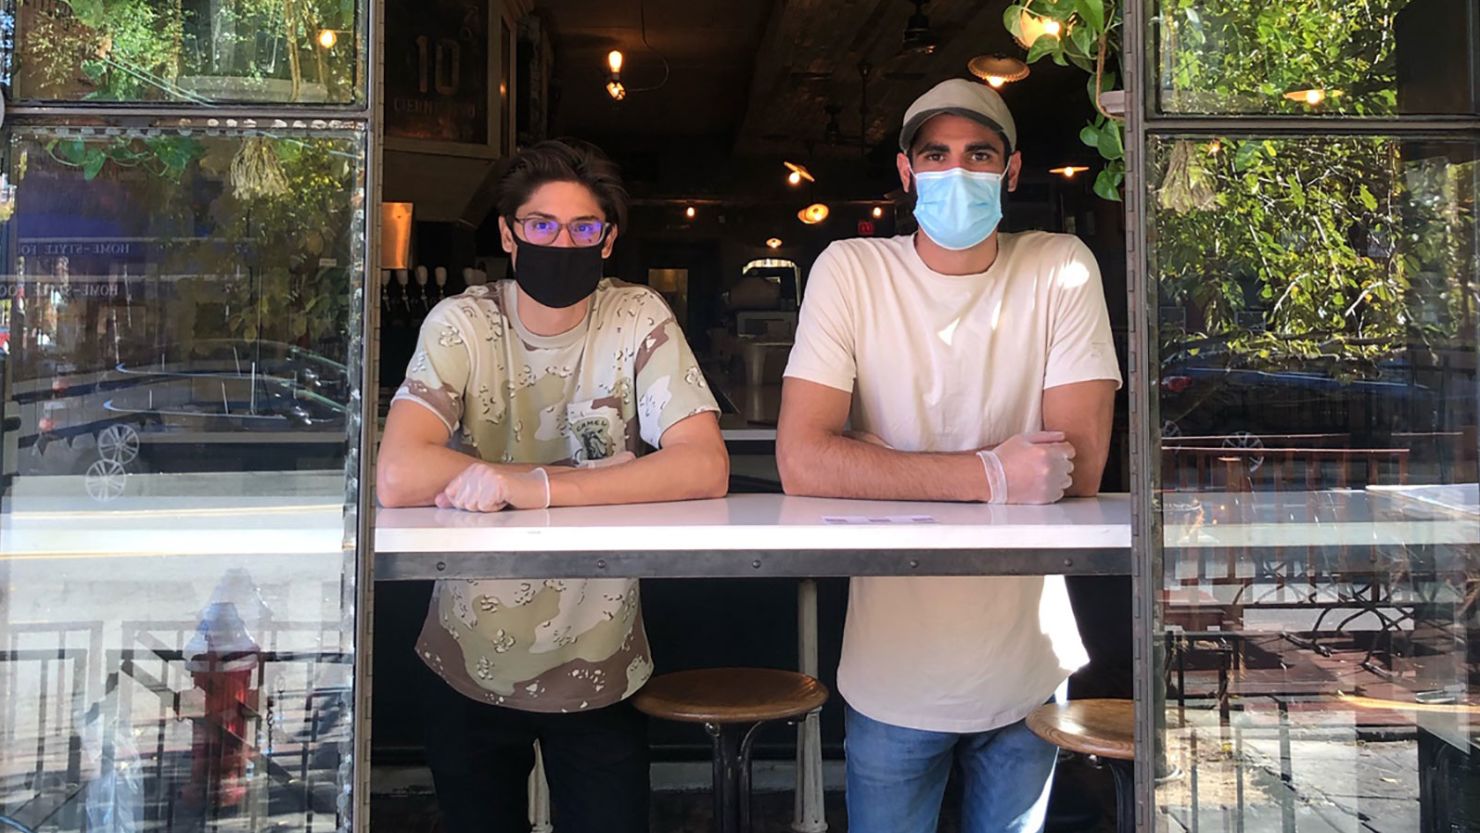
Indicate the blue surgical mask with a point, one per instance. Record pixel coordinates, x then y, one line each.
958 208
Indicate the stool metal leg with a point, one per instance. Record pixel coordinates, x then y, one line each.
726 780
1125 794
807 813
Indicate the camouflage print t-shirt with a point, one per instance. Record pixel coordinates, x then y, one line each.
616 382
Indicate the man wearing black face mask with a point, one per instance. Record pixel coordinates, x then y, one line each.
553 383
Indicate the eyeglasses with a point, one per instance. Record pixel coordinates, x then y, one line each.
542 231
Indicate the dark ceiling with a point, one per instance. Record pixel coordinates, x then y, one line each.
756 78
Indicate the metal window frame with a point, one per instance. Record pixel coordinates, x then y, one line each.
367 118
1142 122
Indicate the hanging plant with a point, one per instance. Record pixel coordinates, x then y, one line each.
256 172
1085 33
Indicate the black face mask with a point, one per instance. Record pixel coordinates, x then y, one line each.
557 276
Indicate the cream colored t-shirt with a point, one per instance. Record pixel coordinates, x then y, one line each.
954 363
616 382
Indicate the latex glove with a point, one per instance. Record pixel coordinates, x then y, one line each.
1029 468
483 488
618 459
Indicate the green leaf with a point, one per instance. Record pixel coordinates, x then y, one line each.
1083 63
1297 193
1012 18
92 163
1083 39
1045 45
1107 185
1247 154
1090 135
1111 146
1368 201
1093 12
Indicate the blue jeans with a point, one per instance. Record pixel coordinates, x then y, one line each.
897 776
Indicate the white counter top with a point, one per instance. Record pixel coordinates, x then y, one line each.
759 535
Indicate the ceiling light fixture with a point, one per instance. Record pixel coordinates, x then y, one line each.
997 70
1069 171
773 243
690 212
918 38
798 173
878 212
813 214
328 38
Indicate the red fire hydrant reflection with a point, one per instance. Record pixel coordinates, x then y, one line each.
222 659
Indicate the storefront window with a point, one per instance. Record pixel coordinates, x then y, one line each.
1320 523
177 534
188 51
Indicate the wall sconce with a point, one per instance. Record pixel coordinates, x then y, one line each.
813 214
798 173
614 86
1031 27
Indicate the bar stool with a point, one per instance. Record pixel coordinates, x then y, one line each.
1105 729
732 703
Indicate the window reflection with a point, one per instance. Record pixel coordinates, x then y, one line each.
1321 520
1316 57
187 52
176 602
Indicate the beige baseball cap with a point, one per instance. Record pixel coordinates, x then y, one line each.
960 97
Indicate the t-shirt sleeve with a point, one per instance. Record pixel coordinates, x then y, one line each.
1081 348
440 368
823 352
670 385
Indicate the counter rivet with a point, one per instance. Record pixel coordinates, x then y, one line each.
914 563
441 566
756 564
1068 562
601 564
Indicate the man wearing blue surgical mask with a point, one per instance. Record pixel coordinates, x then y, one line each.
973 365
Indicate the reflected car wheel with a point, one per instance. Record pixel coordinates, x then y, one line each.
105 480
118 444
1244 439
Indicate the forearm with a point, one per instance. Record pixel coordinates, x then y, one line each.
829 465
414 477
679 472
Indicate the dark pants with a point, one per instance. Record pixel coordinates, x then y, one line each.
481 757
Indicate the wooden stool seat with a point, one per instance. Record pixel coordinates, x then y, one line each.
732 703
1103 728
724 696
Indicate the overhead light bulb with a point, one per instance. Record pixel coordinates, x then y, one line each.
1052 28
616 90
614 61
1031 27
1068 171
878 212
690 212
798 173
773 243
1313 97
328 38
996 81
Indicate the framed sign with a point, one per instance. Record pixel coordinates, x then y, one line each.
438 57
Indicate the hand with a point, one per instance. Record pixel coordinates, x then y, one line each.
621 458
1029 468
484 488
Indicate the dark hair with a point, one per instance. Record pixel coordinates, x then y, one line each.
562 160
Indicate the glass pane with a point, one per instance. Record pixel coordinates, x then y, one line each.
187 51
1317 57
177 527
1317 488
